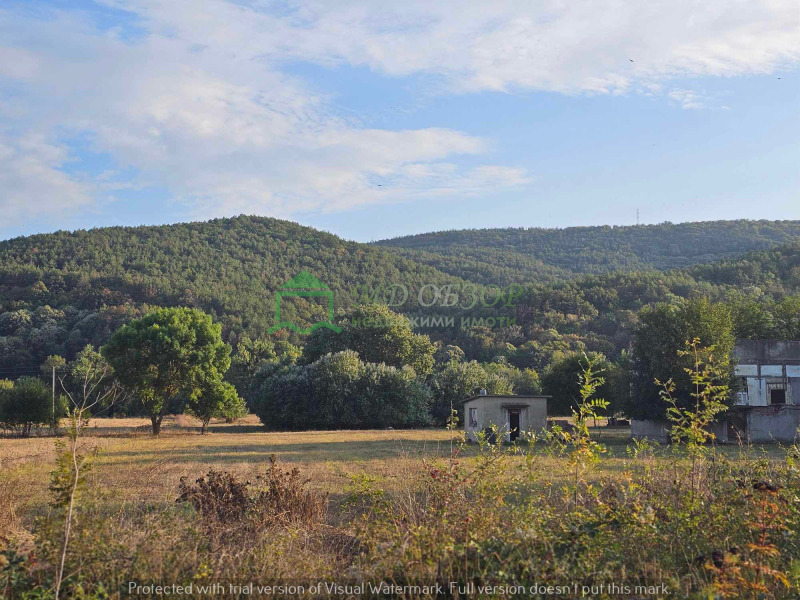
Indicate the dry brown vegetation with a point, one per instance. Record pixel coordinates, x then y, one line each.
401 506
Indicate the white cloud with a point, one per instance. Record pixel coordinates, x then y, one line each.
196 99
689 99
572 47
32 182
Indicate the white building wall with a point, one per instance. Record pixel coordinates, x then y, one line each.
493 410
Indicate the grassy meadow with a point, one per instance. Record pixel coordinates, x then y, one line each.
408 507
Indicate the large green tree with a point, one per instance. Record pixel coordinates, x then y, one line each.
661 336
562 380
168 351
458 381
379 336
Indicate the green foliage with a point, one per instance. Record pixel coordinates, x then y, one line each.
250 355
562 380
710 393
458 381
448 353
378 335
582 287
512 255
217 400
657 356
339 391
170 350
25 405
89 383
53 362
229 268
577 441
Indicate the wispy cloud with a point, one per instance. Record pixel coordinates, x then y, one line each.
689 99
32 181
198 101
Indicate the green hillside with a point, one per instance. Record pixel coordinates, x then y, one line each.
534 254
61 291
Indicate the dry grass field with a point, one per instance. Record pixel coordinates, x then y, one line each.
396 506
140 467
137 465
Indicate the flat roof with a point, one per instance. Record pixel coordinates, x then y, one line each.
504 396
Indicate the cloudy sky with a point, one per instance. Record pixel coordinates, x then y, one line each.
373 119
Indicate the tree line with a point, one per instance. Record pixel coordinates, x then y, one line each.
372 376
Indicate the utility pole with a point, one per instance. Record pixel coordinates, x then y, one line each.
54 393
637 216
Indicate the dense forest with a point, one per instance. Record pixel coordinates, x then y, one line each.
536 254
61 291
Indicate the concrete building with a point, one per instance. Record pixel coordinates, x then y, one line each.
511 414
768 406
658 430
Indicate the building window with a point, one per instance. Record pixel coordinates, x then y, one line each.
776 391
473 417
777 396
744 393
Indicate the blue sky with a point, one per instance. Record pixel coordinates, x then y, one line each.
373 120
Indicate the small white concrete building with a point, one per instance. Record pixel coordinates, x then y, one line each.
511 414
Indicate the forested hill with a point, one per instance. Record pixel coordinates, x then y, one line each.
61 291
547 254
775 271
230 268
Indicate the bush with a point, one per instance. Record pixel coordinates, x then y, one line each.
338 391
281 500
27 404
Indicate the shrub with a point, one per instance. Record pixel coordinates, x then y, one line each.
280 499
338 391
218 496
284 498
26 405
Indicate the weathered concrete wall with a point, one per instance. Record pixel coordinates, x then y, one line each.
658 431
757 389
766 351
775 423
493 410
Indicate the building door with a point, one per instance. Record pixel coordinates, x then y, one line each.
513 424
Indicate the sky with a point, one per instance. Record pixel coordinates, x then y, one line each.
374 119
